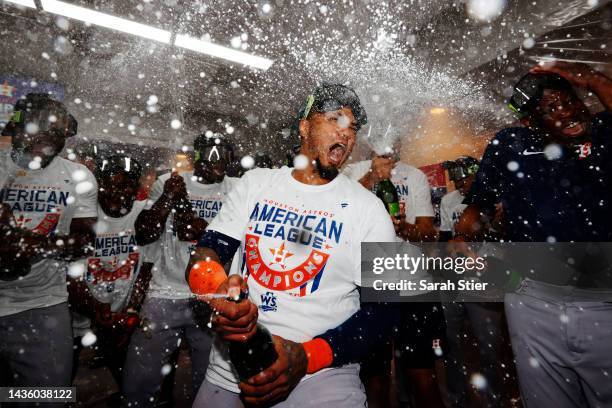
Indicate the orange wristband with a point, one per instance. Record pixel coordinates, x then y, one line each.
319 354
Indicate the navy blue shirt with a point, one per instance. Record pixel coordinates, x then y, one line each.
548 192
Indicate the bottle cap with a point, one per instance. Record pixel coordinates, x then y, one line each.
205 277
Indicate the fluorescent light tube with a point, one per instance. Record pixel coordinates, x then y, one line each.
105 20
219 51
25 3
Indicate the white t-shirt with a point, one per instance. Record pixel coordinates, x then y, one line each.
112 270
44 201
451 208
171 255
411 184
301 247
414 195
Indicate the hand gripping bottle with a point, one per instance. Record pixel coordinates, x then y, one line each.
249 357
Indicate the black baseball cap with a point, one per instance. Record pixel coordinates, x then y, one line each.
331 97
47 114
529 90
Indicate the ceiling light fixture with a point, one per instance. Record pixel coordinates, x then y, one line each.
105 20
142 30
215 50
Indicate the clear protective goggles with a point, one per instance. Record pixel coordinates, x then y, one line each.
214 153
457 173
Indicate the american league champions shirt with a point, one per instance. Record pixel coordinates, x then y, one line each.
171 255
43 201
301 248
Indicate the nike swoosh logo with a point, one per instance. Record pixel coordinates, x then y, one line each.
528 153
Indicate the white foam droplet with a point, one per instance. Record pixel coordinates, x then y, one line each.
89 339
300 162
176 124
76 270
79 175
485 10
478 381
553 151
31 128
513 166
165 370
528 43
247 162
34 164
344 122
236 42
83 187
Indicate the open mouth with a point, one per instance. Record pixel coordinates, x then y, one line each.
336 153
574 128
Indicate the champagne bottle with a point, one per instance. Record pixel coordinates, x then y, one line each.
249 357
255 355
385 190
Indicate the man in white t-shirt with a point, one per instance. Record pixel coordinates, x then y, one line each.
108 296
178 211
414 192
461 172
48 213
419 340
300 232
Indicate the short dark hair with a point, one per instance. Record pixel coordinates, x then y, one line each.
330 97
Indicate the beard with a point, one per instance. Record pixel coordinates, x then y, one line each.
327 173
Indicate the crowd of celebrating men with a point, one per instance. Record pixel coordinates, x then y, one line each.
85 261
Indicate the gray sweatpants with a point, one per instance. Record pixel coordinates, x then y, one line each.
168 322
562 341
334 388
36 346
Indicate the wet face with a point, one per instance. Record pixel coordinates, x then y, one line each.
210 171
328 139
563 115
117 193
464 185
44 145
